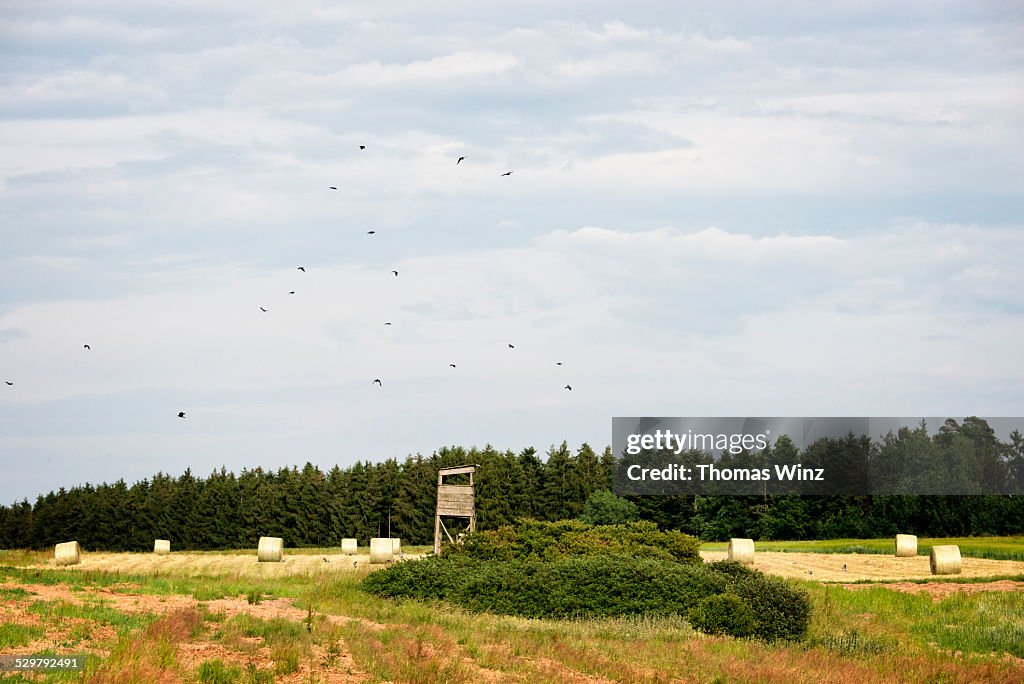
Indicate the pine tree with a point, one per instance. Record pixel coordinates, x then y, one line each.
533 479
561 485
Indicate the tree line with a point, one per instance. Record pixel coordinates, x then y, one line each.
309 507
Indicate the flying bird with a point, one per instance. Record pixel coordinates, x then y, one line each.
388 323
507 173
302 268
8 382
181 414
362 147
263 310
379 382
291 291
396 273
569 387
459 161
558 363
333 187
452 365
370 232
511 346
85 346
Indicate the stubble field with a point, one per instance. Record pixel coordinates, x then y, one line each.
223 617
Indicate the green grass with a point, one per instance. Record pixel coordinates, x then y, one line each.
978 623
216 672
58 611
53 577
273 631
13 635
13 594
995 548
937 579
200 587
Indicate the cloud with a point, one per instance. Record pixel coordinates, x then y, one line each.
75 27
444 68
202 334
8 334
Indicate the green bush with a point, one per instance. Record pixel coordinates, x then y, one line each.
600 586
570 569
433 577
723 614
573 538
781 611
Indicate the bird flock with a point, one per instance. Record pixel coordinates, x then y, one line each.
376 381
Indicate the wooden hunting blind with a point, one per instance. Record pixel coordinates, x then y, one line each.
454 501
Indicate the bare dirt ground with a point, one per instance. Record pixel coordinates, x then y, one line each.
336 667
828 567
327 666
226 564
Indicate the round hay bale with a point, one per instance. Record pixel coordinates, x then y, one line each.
382 550
906 545
741 551
349 547
67 553
270 550
945 560
396 546
161 547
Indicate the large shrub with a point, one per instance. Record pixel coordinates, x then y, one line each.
598 586
781 611
434 577
495 573
533 539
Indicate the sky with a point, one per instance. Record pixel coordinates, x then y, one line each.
756 209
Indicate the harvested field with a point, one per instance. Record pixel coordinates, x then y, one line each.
862 566
214 564
150 619
822 567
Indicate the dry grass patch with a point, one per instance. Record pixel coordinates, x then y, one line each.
150 656
417 655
